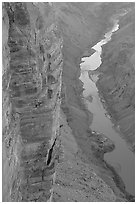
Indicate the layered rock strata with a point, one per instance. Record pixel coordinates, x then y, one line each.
32 70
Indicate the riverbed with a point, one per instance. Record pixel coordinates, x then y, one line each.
121 158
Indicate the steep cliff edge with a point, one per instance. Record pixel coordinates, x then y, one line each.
32 70
117 81
41 43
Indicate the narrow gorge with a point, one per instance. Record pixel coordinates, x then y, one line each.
51 150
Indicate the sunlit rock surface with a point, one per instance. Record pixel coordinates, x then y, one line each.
32 69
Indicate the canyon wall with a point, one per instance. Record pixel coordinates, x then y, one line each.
117 81
32 71
42 47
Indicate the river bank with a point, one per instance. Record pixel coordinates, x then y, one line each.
112 117
109 110
78 120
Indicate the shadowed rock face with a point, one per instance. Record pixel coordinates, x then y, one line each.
30 101
117 82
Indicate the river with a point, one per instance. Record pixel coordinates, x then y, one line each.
121 158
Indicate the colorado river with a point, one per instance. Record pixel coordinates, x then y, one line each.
121 158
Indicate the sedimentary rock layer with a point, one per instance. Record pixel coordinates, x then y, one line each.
33 56
32 69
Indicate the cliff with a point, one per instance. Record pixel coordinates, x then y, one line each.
32 70
42 47
117 81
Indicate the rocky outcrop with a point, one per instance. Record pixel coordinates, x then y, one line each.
100 144
32 70
117 81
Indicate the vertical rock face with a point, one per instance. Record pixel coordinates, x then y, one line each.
32 70
32 80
